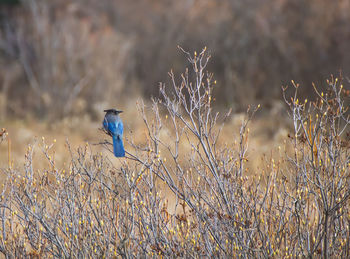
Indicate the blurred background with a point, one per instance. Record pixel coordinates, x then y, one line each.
68 60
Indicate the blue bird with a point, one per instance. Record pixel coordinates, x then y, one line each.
113 124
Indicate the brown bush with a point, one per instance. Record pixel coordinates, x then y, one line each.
297 206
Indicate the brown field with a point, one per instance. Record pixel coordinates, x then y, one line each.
267 135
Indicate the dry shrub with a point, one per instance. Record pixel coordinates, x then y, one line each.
68 56
89 51
297 206
258 45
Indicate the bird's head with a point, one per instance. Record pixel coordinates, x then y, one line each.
113 111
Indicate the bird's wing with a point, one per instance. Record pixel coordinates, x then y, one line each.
112 128
120 128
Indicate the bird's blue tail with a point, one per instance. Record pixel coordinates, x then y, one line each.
118 147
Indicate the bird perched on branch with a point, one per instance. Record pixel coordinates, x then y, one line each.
113 124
